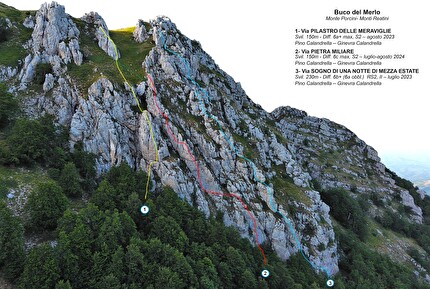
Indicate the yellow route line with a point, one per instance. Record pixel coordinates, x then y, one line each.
141 110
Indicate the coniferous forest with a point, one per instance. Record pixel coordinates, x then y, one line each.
96 236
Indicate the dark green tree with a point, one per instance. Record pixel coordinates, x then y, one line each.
105 196
12 254
75 254
68 261
93 218
117 229
235 262
46 204
4 31
6 156
86 164
63 285
101 261
77 234
208 274
132 208
117 265
27 141
37 141
109 281
166 278
41 269
70 181
248 280
347 211
162 254
58 159
126 181
169 232
8 105
136 265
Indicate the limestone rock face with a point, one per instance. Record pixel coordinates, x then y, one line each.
54 41
49 82
61 103
104 43
105 124
140 34
275 162
30 64
29 22
221 168
408 201
334 156
7 72
74 49
108 126
53 26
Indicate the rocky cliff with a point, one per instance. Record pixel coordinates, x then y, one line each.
276 162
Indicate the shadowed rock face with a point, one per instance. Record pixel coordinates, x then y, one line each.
53 27
54 41
289 148
140 34
93 18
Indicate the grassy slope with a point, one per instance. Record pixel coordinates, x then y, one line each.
98 64
388 243
96 61
11 50
132 54
13 178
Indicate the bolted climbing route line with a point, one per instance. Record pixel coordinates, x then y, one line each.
144 112
193 158
271 202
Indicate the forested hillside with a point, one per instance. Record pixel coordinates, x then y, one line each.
95 123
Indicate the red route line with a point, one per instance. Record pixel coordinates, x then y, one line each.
198 170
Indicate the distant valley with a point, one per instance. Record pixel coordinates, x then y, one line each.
412 166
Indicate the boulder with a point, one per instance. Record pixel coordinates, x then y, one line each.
140 34
101 33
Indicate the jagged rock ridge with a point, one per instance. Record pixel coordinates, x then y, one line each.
289 148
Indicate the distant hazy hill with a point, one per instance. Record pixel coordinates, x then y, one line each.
415 167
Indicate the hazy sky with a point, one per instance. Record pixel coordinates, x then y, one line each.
254 42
